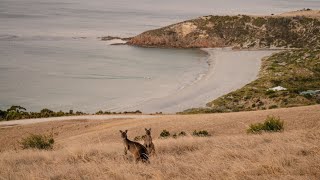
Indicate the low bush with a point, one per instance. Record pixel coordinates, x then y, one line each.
271 124
164 134
139 138
38 141
180 134
203 133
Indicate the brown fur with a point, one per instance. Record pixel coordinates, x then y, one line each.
138 151
148 142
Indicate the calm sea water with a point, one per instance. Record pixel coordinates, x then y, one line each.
50 55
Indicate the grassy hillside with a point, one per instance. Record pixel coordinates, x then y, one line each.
296 70
94 150
237 31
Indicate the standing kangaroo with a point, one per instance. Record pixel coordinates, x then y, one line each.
138 151
148 142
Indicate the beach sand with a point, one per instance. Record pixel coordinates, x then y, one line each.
228 71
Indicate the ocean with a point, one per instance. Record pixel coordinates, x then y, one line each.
51 55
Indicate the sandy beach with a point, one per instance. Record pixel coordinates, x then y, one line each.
228 70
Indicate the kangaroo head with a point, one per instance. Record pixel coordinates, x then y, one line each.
124 134
148 131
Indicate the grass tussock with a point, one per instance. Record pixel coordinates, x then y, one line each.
271 124
202 133
164 134
37 141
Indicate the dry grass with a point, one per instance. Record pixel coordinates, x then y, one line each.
96 152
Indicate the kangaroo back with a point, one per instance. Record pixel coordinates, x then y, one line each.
148 142
138 151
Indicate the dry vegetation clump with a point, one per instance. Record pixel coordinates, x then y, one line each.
164 134
202 133
271 124
37 141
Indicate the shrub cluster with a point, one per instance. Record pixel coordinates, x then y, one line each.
18 112
271 124
38 141
164 134
202 133
125 112
180 134
139 138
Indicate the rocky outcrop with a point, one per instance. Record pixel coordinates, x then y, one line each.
236 31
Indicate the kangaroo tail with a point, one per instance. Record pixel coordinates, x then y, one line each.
144 156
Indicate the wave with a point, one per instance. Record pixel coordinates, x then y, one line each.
95 76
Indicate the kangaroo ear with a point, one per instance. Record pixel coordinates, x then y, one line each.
126 131
146 129
150 129
120 131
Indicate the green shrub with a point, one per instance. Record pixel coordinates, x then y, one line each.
38 141
182 133
255 128
3 115
271 124
203 133
164 134
139 138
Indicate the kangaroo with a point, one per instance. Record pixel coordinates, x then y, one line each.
138 151
148 142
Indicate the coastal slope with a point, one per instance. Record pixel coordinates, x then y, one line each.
295 72
300 29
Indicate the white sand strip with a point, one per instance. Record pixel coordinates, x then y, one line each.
84 117
229 70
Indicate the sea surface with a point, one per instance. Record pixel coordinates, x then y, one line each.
51 56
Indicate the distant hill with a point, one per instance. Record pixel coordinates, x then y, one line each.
299 29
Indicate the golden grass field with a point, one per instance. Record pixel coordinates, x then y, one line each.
90 149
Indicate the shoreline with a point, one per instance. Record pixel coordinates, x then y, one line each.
228 70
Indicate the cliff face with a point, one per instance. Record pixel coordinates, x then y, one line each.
235 31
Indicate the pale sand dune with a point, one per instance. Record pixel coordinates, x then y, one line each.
92 149
310 13
228 71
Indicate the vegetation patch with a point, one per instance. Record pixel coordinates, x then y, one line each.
164 134
202 133
180 134
38 141
236 31
125 112
271 124
139 138
19 112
